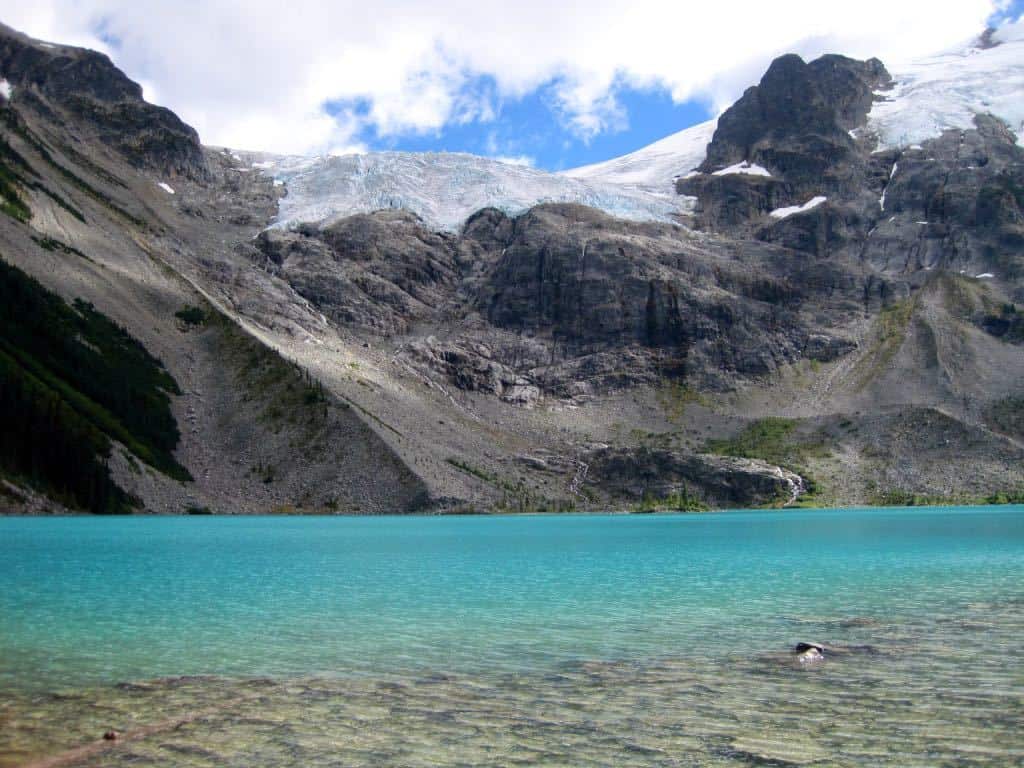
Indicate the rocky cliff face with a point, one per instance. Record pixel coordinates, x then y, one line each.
954 203
379 272
831 319
558 299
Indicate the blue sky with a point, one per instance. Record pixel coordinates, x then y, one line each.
548 82
531 128
1010 12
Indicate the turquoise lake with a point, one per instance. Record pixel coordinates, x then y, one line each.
531 640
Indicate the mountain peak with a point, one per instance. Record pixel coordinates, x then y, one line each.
51 79
825 98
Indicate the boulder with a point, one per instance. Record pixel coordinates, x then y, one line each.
718 481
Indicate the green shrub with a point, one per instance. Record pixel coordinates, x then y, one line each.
677 501
1006 497
764 439
191 316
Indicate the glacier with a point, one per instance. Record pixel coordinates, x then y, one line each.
443 188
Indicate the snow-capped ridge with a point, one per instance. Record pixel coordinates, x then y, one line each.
931 95
655 166
948 89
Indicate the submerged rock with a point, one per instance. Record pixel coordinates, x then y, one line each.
809 652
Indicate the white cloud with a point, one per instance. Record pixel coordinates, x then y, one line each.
516 160
588 105
507 150
257 73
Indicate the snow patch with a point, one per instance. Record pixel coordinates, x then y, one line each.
984 276
881 200
745 168
5 89
166 187
782 213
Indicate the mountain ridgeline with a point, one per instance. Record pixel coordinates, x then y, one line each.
823 319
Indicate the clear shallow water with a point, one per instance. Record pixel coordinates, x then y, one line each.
578 640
